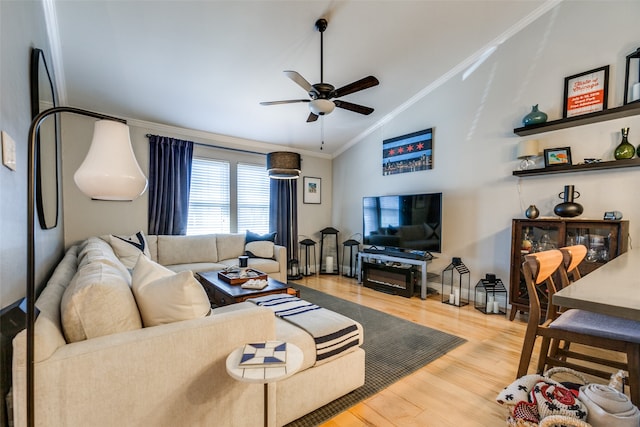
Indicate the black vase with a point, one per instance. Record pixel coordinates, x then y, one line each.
568 208
532 212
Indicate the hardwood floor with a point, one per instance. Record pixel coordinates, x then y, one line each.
458 389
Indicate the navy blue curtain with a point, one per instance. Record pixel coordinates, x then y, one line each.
283 214
169 184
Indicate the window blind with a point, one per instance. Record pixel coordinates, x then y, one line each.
209 198
253 198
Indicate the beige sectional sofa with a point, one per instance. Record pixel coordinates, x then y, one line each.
213 252
98 363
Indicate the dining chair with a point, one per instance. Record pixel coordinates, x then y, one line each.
572 256
575 326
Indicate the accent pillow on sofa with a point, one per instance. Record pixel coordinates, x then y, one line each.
164 296
128 248
98 302
259 245
255 237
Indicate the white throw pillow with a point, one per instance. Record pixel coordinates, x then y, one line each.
164 296
128 248
98 302
259 249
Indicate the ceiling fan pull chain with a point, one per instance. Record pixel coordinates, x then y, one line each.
321 132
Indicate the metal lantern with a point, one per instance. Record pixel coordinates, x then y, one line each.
352 245
455 283
632 78
491 295
307 245
329 255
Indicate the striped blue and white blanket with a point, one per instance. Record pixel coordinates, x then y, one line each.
332 332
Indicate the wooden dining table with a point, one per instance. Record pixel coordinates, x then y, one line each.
613 289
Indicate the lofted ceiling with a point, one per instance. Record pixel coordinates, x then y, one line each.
206 65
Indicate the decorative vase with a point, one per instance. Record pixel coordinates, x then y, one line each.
534 117
624 150
568 208
532 212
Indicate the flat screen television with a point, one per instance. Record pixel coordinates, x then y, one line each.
403 222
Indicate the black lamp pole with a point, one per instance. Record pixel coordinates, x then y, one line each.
31 287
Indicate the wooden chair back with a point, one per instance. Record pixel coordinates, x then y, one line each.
538 268
572 256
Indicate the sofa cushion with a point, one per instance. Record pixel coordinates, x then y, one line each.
166 297
187 249
259 249
127 248
96 249
230 246
98 302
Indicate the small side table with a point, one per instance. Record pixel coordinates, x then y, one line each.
265 374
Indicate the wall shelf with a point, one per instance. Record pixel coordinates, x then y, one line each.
599 116
614 164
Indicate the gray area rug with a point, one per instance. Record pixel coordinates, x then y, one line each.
394 348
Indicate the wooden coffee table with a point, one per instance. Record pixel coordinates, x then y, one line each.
222 293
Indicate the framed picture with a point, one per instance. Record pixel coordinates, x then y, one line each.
312 190
586 92
557 156
408 153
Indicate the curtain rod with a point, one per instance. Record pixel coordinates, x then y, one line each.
214 146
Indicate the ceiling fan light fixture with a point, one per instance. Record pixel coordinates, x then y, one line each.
321 107
283 165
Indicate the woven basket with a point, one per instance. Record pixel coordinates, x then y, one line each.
551 420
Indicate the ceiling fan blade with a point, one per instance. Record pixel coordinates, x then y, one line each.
288 101
361 84
312 118
297 78
353 107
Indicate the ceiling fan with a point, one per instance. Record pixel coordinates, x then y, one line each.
321 95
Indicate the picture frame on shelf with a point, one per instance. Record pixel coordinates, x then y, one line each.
586 92
312 190
557 157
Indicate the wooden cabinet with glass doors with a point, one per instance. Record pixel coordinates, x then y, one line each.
604 240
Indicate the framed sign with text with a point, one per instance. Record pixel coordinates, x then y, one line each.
586 92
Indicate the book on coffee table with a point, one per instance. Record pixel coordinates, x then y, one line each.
259 355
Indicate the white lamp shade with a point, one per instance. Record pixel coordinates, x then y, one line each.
528 148
320 107
110 170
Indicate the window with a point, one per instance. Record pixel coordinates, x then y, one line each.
209 201
228 197
253 198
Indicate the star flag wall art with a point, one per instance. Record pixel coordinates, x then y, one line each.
408 153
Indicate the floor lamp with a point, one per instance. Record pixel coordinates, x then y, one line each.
109 172
285 165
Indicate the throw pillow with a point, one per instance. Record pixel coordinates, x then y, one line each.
128 248
255 237
98 302
166 297
259 249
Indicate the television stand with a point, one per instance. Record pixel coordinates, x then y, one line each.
368 257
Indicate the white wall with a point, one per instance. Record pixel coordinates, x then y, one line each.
85 217
474 143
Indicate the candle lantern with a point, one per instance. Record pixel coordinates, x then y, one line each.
308 245
352 244
491 295
455 283
329 257
632 78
